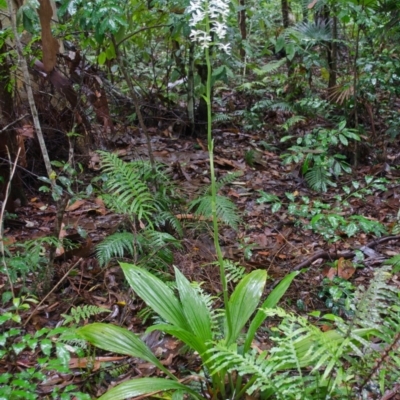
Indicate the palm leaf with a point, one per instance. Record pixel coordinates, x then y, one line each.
118 340
243 302
155 294
143 386
194 307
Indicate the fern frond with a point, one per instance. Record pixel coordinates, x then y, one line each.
226 209
270 67
234 271
318 178
227 179
130 193
81 313
221 118
292 121
155 247
167 218
115 245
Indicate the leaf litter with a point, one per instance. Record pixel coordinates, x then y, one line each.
269 237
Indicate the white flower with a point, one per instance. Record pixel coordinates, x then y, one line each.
216 11
226 47
201 37
197 16
220 29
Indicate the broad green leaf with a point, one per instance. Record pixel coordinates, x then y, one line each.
156 294
183 335
194 307
342 125
351 229
143 386
110 52
343 139
102 57
118 340
276 207
270 302
46 345
244 300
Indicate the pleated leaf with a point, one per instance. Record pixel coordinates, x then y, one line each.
270 302
194 307
118 340
156 294
243 302
143 386
183 335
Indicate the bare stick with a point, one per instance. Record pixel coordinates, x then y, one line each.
52 290
3 209
29 91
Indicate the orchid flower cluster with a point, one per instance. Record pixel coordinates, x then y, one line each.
209 16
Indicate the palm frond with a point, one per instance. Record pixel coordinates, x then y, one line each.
311 33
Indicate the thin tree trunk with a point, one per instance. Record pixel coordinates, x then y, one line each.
136 102
242 27
332 54
289 63
190 94
29 91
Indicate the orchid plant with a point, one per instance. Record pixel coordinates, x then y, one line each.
208 23
189 316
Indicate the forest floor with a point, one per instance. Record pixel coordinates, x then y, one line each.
268 238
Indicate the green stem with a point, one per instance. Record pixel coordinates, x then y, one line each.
214 190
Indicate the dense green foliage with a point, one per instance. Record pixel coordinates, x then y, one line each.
316 82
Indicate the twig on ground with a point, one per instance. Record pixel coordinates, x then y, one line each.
52 290
345 254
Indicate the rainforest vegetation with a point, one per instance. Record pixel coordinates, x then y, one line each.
200 199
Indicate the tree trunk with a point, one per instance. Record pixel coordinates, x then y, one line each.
332 55
242 27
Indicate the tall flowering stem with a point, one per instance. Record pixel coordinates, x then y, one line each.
208 23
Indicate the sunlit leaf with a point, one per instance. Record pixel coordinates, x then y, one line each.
270 302
118 340
143 386
243 302
156 294
194 307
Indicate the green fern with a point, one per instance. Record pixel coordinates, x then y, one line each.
306 363
152 246
168 219
79 313
115 245
394 262
226 209
130 193
221 118
292 121
270 67
318 178
234 271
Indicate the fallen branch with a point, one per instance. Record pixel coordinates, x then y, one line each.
326 255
